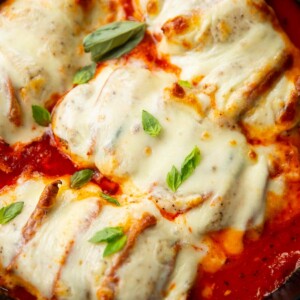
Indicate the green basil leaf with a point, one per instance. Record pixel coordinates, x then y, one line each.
41 115
150 124
184 83
174 179
110 199
114 40
190 163
85 74
9 212
107 234
115 246
80 178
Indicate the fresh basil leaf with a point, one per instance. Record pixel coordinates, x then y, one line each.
174 179
110 199
107 234
85 74
41 115
115 246
190 163
80 178
150 124
9 212
184 83
114 40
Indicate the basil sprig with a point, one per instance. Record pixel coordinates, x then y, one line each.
150 124
113 236
8 213
184 83
41 115
115 246
110 199
107 234
176 178
190 164
85 74
114 40
80 178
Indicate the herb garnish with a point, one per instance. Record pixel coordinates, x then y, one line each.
41 115
110 199
85 74
176 178
9 212
150 124
80 178
114 40
113 236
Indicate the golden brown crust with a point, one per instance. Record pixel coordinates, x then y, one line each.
15 113
46 202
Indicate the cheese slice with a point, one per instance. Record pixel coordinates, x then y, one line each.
60 261
221 47
110 134
11 233
40 51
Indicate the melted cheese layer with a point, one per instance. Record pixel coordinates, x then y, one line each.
41 62
221 47
120 148
68 266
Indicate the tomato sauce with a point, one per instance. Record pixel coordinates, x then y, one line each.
40 156
261 268
288 13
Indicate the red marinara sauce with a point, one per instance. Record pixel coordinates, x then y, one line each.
266 263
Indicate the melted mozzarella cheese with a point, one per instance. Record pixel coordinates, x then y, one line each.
120 148
68 266
221 46
11 233
40 50
53 242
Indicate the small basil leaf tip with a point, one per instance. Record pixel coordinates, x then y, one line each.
115 246
80 178
41 115
174 179
9 212
114 40
185 84
150 124
110 199
107 234
190 163
85 74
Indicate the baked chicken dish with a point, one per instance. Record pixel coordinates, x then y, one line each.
149 149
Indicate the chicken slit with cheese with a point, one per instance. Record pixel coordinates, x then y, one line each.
38 65
72 267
